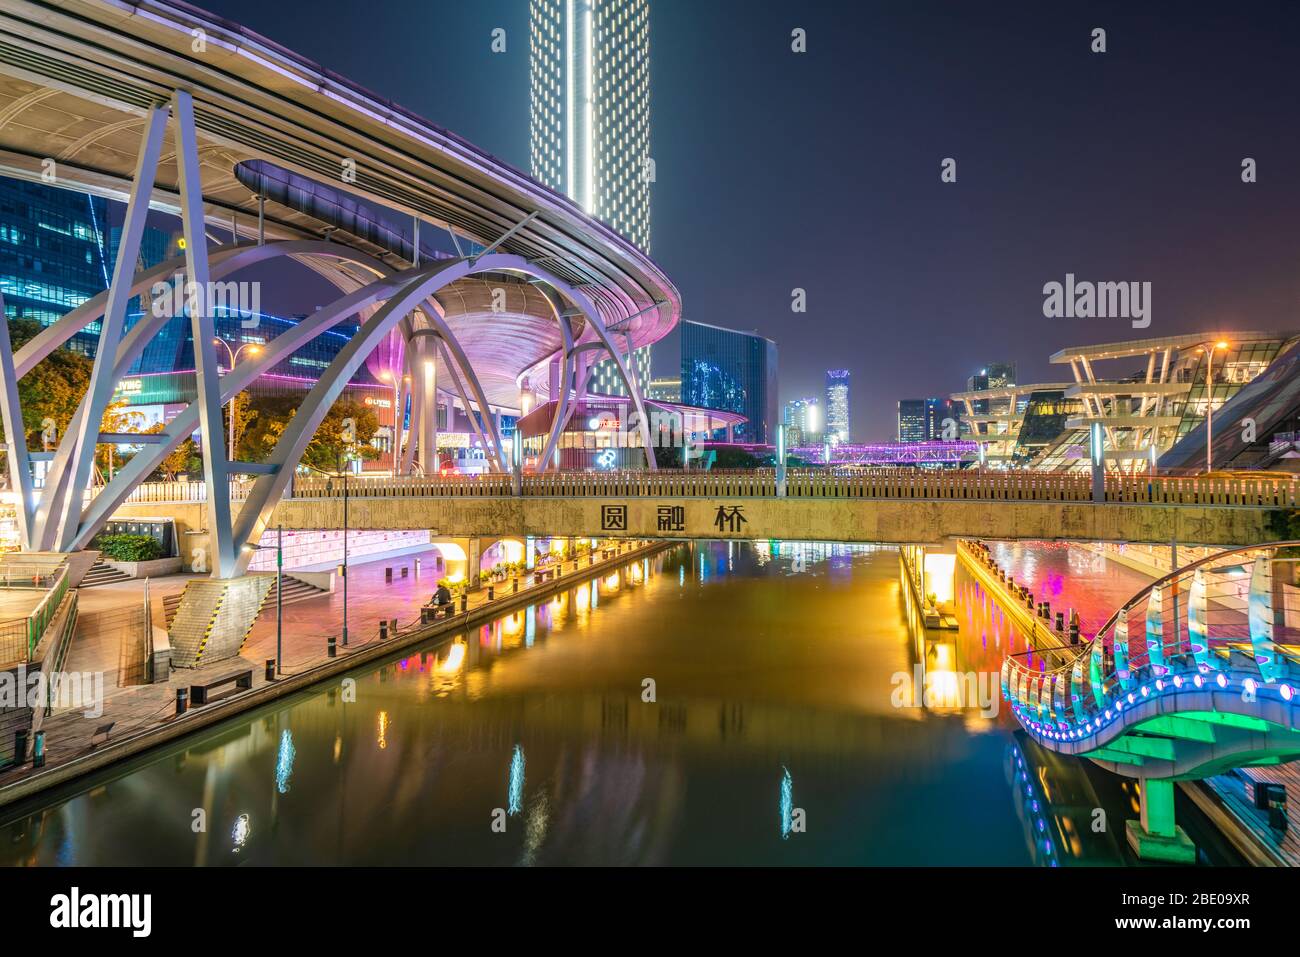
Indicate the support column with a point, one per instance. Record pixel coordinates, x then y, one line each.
1155 837
427 373
66 515
474 556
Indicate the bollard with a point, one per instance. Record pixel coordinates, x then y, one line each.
392 627
1047 610
182 700
1060 621
383 630
492 592
270 669
38 750
516 584
464 602
591 559
331 650
20 747
1074 627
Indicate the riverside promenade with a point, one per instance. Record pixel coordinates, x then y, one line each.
144 715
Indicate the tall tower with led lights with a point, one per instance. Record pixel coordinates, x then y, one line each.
589 118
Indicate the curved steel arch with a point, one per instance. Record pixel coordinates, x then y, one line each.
51 518
255 515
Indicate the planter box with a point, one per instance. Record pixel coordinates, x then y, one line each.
150 569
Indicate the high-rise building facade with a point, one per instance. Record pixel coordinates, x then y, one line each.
802 422
589 117
923 420
732 372
911 420
837 405
589 123
52 254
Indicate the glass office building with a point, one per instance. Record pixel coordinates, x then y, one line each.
732 372
52 254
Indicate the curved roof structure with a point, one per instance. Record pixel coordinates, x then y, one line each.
77 78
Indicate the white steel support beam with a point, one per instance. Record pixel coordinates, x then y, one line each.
216 467
11 415
102 376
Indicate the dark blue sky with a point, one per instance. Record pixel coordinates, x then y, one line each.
820 170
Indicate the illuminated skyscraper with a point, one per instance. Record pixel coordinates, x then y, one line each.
589 119
589 71
837 405
803 422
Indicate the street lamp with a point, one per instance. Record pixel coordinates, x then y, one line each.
279 594
253 349
1209 403
329 489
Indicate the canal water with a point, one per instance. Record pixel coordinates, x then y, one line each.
717 703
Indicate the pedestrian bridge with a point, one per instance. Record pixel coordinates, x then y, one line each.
1196 674
884 506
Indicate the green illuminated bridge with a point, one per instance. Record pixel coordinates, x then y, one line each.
1195 675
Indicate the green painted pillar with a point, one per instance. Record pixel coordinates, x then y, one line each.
1156 836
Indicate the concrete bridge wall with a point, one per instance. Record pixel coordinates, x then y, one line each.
821 519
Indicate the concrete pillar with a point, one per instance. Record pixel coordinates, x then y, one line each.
474 554
426 375
1155 837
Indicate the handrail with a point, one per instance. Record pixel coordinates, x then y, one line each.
1066 700
873 483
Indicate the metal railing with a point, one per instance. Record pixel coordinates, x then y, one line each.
968 484
1229 618
19 637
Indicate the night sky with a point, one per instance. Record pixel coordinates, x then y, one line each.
821 170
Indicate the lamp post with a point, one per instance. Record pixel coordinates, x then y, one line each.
279 595
253 349
339 473
1209 404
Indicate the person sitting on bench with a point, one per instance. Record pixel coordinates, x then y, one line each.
442 599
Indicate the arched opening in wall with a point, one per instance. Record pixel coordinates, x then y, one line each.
450 562
504 551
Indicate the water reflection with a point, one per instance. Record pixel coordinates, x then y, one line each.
767 658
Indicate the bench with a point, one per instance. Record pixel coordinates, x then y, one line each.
103 729
242 680
430 613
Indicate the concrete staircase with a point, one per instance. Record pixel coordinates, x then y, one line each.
213 618
102 573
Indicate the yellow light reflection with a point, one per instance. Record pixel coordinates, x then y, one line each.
454 660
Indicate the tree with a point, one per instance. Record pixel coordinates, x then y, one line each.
269 417
54 387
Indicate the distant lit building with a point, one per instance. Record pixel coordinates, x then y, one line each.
911 420
1156 393
837 405
732 372
923 420
803 422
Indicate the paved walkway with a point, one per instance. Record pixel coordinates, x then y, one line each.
104 642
